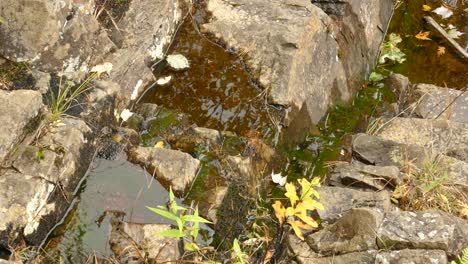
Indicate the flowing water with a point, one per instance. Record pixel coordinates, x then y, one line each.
218 92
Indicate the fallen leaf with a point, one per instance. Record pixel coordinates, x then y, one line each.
177 61
454 33
443 12
423 35
160 144
440 51
278 178
426 8
164 80
280 211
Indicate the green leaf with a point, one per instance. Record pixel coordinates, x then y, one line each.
376 77
190 246
164 213
195 219
171 233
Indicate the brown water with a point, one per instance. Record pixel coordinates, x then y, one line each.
422 64
216 91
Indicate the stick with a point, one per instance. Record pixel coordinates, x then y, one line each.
433 23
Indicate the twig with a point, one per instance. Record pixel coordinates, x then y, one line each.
433 23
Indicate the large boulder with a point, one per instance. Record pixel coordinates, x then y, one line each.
364 176
18 111
297 51
416 256
52 35
171 167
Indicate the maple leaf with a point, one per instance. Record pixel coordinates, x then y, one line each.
440 51
297 230
423 35
426 8
291 193
454 33
280 211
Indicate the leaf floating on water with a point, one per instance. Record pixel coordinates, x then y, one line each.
440 51
178 61
454 33
443 12
164 80
426 8
423 35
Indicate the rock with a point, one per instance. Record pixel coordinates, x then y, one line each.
308 62
442 103
364 176
23 204
38 162
381 152
214 136
20 112
400 86
171 167
147 29
52 36
140 242
412 256
423 230
147 110
439 136
42 81
355 231
337 201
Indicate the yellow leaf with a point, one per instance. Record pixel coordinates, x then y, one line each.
463 209
160 144
296 229
423 35
307 219
291 193
280 211
290 211
440 51
311 204
301 225
426 8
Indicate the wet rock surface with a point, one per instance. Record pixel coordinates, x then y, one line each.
176 169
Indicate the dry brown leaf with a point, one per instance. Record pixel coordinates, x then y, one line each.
423 35
440 51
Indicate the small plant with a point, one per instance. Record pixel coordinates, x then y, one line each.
390 51
431 186
187 219
296 214
61 101
463 259
238 256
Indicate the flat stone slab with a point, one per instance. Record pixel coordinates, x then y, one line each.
17 110
364 176
423 230
171 167
337 201
439 136
442 103
414 256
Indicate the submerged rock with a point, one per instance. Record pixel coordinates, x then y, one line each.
337 201
171 167
18 111
132 243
